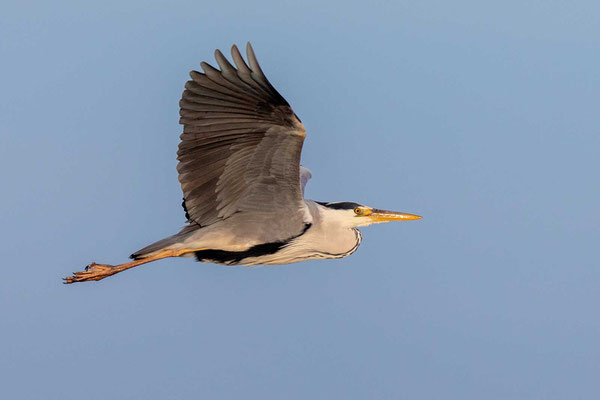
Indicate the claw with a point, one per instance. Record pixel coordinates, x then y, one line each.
92 272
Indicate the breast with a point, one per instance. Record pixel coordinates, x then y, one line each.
314 246
337 244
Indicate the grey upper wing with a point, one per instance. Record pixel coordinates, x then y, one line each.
240 147
305 176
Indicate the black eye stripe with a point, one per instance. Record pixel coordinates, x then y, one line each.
341 205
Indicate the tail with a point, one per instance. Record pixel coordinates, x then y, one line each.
156 246
164 243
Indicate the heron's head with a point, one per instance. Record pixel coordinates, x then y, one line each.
354 214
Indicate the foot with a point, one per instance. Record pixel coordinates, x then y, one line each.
93 272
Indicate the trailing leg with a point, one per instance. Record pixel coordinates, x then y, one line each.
96 272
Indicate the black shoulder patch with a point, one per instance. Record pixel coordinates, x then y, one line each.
235 257
187 215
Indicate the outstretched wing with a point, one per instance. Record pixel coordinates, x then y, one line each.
241 143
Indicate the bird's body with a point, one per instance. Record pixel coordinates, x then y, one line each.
239 169
322 235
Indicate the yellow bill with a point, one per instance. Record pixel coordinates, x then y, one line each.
385 215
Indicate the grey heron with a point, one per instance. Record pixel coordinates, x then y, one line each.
243 186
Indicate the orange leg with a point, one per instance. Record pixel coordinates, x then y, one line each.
95 272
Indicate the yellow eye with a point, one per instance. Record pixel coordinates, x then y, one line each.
358 211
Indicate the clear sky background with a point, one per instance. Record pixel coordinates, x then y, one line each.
482 117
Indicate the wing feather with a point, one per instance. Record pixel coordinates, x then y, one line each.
240 147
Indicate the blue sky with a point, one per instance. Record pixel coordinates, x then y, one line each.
482 117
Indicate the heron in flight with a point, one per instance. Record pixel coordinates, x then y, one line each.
243 186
